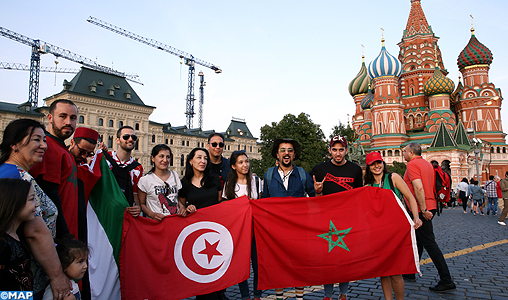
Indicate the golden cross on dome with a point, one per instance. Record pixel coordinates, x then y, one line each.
383 36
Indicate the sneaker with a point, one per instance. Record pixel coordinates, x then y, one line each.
342 297
488 212
465 212
501 223
443 287
474 214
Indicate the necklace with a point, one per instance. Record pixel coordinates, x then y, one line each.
286 176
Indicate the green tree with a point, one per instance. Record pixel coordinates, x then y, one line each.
344 130
300 128
398 167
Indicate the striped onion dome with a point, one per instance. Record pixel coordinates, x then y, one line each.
360 84
367 101
438 84
385 64
475 53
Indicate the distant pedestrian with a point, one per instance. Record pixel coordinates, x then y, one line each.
500 203
477 194
462 190
491 191
504 190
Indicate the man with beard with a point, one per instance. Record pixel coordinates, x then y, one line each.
218 164
287 180
57 173
333 176
126 169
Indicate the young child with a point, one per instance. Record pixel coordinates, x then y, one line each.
73 255
17 205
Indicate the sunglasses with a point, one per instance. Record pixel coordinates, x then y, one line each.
288 150
83 152
215 144
127 136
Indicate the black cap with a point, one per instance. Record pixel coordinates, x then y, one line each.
295 144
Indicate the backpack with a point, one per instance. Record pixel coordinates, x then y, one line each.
123 177
301 171
443 185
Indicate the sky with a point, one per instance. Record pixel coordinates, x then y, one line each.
278 57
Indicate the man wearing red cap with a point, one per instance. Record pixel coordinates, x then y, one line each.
57 173
333 176
83 144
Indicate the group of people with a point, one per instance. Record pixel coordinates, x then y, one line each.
49 202
495 190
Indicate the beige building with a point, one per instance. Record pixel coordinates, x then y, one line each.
107 102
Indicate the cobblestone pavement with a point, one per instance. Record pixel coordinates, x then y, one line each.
476 251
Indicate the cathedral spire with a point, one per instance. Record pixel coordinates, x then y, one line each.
416 23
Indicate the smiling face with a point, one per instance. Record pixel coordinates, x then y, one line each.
242 165
286 154
31 150
82 150
376 167
199 161
76 270
338 153
126 140
216 146
161 160
63 120
28 212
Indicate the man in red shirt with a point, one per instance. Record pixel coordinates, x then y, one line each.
57 173
420 178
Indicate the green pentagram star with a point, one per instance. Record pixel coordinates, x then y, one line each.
340 237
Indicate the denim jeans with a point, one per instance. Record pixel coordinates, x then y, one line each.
342 288
492 205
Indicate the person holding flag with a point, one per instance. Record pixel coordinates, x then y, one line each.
287 180
333 176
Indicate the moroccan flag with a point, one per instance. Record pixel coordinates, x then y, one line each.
351 235
105 210
177 258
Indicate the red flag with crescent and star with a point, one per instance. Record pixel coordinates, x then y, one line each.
206 251
352 235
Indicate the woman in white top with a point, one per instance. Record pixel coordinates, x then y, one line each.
462 191
240 183
158 189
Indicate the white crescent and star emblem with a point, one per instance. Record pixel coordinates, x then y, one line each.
203 251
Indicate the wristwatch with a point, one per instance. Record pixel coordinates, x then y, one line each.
426 210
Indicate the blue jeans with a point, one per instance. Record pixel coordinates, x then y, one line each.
342 288
492 205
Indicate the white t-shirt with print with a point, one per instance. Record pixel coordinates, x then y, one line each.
161 197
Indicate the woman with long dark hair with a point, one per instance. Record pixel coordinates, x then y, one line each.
462 190
240 183
377 175
158 189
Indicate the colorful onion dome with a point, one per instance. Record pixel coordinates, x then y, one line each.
385 64
438 84
475 53
360 84
367 101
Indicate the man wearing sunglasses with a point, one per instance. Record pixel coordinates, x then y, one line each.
83 144
219 164
127 171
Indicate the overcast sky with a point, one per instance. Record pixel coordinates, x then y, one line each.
277 57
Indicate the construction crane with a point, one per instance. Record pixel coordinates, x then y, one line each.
23 67
40 47
189 60
201 97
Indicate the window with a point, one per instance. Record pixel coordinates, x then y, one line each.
110 141
183 143
238 147
136 126
110 123
187 143
100 139
136 147
101 122
153 138
250 148
81 119
397 152
171 141
171 160
390 153
166 141
418 118
120 124
182 161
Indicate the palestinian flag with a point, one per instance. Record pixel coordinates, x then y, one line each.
105 211
352 235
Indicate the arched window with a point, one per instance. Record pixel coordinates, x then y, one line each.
153 138
397 152
411 122
101 122
182 160
498 150
81 119
390 153
418 118
110 123
110 141
120 124
136 126
187 143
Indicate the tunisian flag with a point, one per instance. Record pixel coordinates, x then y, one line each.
351 235
177 258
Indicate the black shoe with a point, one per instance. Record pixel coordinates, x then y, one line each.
443 287
409 277
488 212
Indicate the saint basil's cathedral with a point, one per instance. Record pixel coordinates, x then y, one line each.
410 99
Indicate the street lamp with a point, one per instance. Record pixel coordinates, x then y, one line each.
478 141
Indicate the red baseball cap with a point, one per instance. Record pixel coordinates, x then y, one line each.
338 139
373 157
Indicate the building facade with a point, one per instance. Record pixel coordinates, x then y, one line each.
410 99
107 102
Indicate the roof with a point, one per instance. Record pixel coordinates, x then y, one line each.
475 53
239 128
460 136
360 84
443 138
416 23
97 84
23 109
